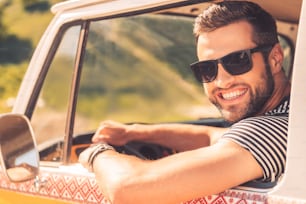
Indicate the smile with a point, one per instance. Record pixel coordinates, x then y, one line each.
233 95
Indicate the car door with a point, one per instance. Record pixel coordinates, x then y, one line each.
130 67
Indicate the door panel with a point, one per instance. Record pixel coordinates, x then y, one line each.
65 184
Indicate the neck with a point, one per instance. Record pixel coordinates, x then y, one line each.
281 89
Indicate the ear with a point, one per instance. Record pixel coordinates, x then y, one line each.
276 58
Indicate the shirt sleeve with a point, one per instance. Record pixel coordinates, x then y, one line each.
266 138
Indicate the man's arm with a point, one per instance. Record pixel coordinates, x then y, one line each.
176 178
180 137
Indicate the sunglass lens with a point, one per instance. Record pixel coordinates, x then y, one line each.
205 71
237 63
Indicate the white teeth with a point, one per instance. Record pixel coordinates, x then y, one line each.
232 95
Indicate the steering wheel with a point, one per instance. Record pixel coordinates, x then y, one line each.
142 150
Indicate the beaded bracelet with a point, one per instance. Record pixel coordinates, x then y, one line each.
98 148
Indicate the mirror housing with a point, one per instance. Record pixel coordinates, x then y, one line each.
18 153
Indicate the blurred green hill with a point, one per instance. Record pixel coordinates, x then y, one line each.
159 58
22 23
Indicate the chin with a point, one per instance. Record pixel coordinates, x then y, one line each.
231 117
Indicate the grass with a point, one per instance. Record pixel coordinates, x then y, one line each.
24 30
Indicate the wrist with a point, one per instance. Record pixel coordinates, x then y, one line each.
136 132
96 150
132 132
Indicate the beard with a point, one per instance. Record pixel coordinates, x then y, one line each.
256 102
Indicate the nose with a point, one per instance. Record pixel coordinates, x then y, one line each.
223 79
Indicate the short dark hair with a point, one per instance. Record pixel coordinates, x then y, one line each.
227 12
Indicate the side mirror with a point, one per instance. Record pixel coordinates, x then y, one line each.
18 153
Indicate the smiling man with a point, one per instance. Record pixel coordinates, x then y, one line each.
243 85
240 66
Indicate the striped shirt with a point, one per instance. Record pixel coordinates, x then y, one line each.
266 138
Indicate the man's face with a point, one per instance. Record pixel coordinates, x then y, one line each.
238 96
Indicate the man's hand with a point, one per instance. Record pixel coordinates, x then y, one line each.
112 132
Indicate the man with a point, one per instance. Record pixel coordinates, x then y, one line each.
240 65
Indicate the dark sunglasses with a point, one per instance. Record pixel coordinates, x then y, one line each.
234 63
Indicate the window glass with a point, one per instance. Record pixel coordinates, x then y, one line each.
49 117
136 69
288 54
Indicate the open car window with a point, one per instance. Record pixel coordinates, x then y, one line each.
135 69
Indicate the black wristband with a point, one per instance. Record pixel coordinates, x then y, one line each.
98 148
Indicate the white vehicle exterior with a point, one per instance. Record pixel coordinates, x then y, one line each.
64 182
